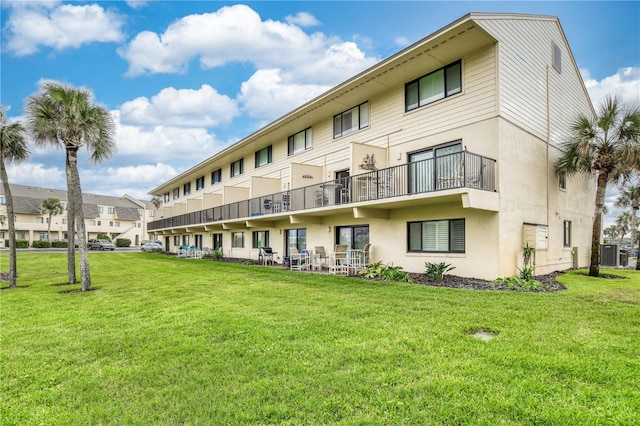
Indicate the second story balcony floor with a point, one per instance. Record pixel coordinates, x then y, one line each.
445 175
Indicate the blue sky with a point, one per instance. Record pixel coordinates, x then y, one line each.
187 78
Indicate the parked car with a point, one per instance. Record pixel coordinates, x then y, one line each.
100 245
151 247
145 242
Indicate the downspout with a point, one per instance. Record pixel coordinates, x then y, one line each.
547 147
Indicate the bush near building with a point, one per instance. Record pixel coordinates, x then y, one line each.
41 244
123 242
19 243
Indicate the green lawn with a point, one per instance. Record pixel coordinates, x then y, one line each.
192 342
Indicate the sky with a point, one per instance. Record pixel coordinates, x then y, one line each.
185 79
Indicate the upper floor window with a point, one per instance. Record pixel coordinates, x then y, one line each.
446 81
299 142
151 213
166 197
351 120
176 193
200 183
237 167
186 190
3 200
100 209
263 156
110 210
39 220
216 176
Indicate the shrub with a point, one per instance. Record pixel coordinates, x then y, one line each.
526 273
123 242
41 244
383 272
19 243
436 271
517 283
104 237
59 244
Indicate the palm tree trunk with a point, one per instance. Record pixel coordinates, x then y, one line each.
85 274
13 266
49 229
634 236
71 226
594 268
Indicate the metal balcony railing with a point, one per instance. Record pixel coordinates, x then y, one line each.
457 170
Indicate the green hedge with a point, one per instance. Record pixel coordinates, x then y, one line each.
59 244
41 244
19 243
104 237
123 242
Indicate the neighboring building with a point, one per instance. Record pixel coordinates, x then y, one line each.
441 153
118 217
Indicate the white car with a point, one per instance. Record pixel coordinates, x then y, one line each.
151 247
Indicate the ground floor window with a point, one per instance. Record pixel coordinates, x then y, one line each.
296 238
260 239
217 241
198 238
44 236
185 240
567 233
446 236
237 239
176 240
355 237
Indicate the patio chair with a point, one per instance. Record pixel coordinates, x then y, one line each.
366 258
266 255
322 255
338 260
298 261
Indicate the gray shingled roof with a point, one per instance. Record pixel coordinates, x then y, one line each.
27 199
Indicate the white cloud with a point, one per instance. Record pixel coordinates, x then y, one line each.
138 4
165 144
135 180
265 96
237 33
204 107
302 19
401 41
625 83
35 24
37 174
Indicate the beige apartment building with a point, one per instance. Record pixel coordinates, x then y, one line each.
441 153
118 217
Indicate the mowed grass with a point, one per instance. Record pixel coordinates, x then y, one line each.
177 341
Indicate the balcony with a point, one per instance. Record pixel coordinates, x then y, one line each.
458 170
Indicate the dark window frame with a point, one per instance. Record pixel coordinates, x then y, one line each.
341 117
450 229
308 141
176 193
256 240
447 89
236 164
216 176
233 239
200 183
269 150
186 188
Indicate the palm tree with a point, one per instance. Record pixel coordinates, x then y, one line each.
66 117
51 207
612 233
630 197
156 201
623 222
608 146
13 148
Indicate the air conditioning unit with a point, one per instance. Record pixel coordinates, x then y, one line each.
609 255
